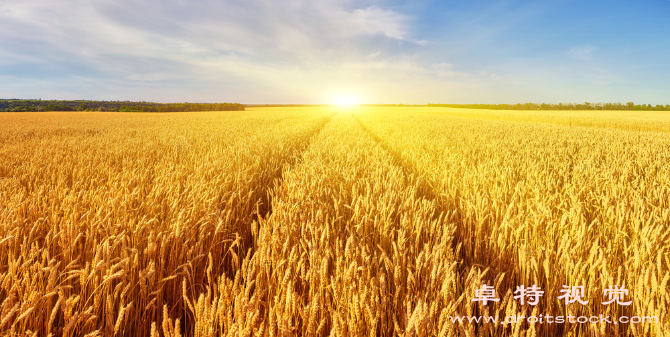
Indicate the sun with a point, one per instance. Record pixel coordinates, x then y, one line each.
345 100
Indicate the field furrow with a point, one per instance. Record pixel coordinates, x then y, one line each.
105 219
351 248
548 205
308 221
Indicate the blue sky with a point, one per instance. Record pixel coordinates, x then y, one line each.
300 51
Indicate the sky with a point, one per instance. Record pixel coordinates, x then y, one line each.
328 51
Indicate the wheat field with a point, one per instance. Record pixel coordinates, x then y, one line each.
330 221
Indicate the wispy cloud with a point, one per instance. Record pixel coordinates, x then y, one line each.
583 53
262 51
164 40
262 30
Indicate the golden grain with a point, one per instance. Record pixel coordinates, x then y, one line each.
322 221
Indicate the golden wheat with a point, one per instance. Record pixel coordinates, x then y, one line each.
328 221
549 204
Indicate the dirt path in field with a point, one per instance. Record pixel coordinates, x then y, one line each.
264 203
408 168
265 206
352 233
469 260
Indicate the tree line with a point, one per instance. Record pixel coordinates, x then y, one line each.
559 106
19 105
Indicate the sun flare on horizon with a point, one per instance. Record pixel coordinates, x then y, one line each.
345 100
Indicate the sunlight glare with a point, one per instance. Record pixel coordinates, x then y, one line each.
345 101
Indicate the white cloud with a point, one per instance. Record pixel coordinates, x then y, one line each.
256 51
257 43
374 20
375 54
267 30
583 53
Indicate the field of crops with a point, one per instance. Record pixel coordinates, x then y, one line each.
359 221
